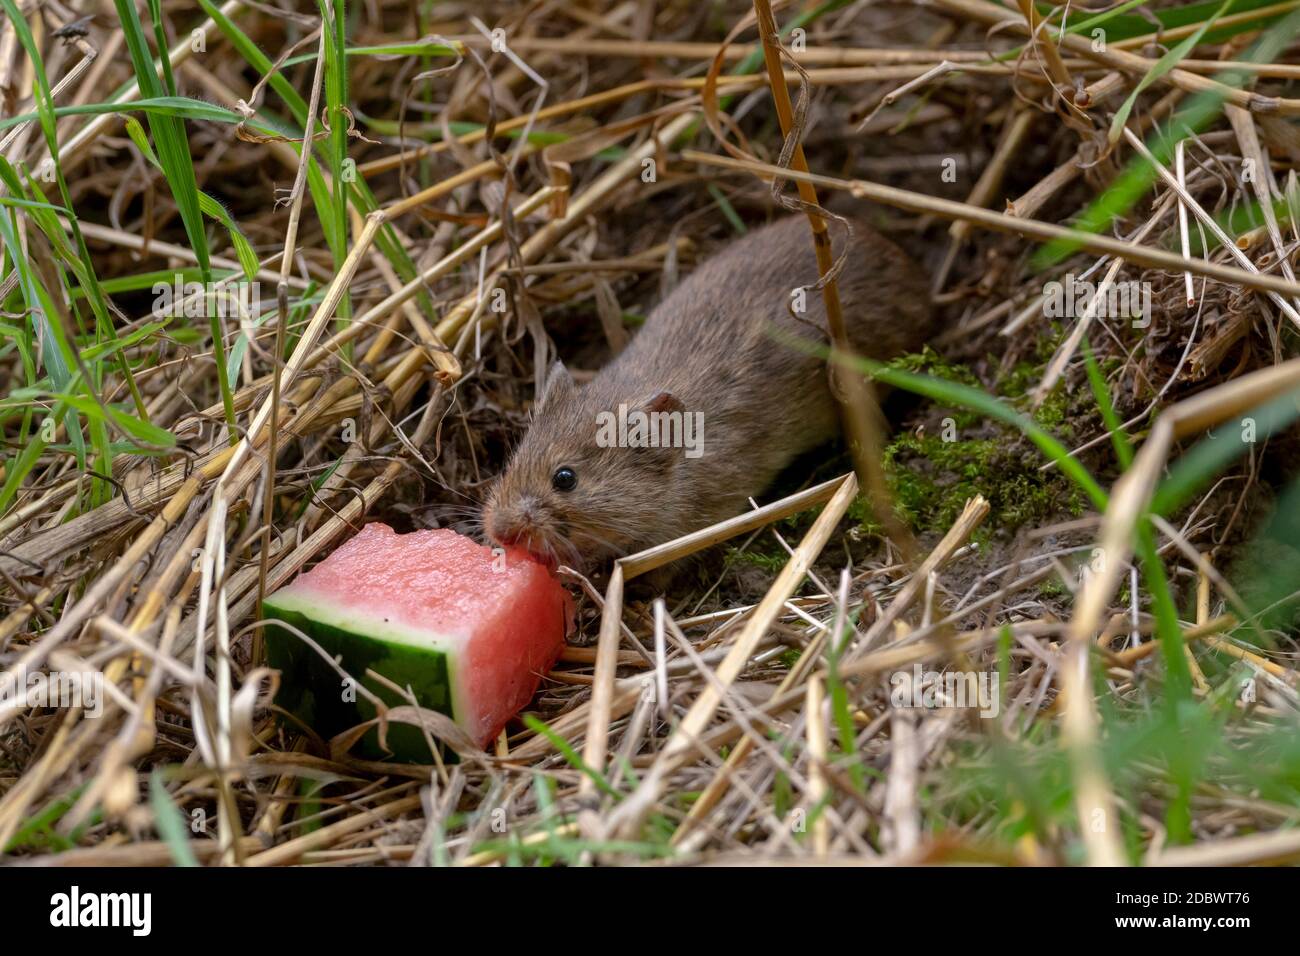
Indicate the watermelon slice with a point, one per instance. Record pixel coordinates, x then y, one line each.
469 630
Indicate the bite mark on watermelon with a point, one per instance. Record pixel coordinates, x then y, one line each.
471 632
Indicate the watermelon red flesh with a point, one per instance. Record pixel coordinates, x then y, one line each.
470 631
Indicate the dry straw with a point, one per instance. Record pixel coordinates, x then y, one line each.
703 726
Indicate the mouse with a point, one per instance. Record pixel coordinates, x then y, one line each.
708 403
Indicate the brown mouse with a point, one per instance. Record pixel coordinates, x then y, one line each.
709 374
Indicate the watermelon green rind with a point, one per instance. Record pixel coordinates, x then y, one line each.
313 691
385 628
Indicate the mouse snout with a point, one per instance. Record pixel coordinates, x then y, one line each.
512 523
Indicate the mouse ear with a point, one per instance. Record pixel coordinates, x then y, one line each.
664 402
670 439
558 382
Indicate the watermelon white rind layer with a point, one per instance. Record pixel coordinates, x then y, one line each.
469 630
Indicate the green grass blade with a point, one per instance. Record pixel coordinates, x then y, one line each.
1100 392
1212 454
213 209
174 155
1138 176
170 823
1162 66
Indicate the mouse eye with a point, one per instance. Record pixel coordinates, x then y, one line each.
564 478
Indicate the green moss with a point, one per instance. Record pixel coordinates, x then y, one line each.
1056 411
758 555
933 473
765 551
932 479
1053 587
929 362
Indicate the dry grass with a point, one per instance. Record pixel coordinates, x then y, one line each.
746 715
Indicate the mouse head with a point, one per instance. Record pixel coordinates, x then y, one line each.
579 490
